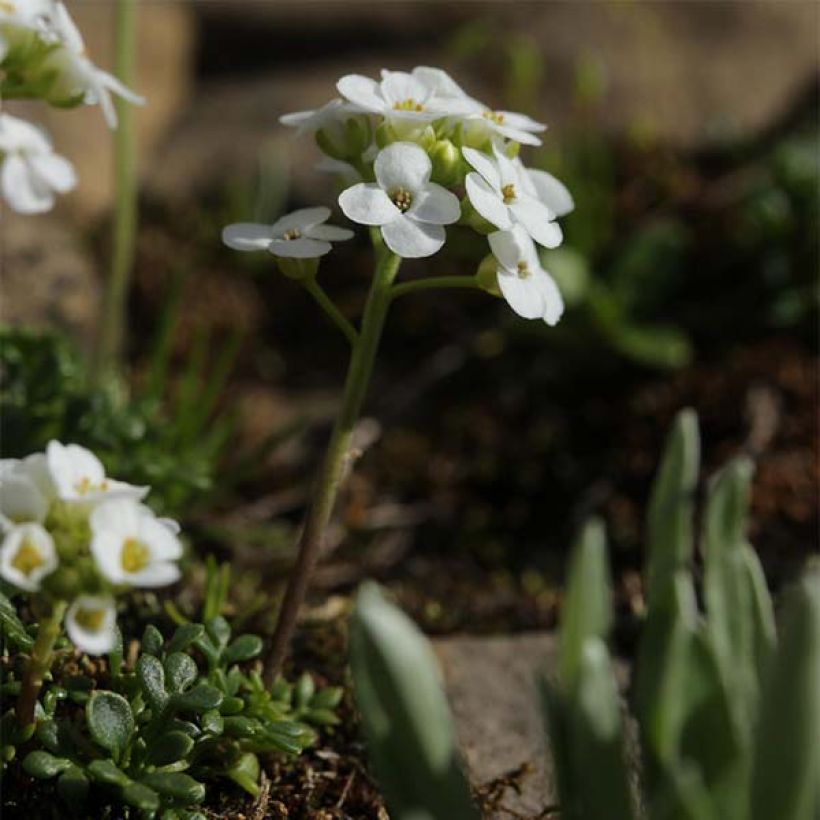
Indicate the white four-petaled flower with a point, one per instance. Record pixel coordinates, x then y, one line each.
26 490
79 476
299 235
410 210
30 172
499 190
529 290
133 547
91 623
27 555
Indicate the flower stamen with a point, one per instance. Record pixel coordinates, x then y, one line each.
28 558
408 105
293 233
401 198
134 556
493 116
523 270
508 193
91 620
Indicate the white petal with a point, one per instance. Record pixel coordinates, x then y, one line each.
515 134
484 165
402 165
507 249
398 86
553 302
412 240
56 171
21 500
98 641
435 204
367 204
330 233
120 516
22 190
521 121
362 91
303 248
31 537
119 88
537 220
165 546
158 574
441 83
74 470
300 220
524 296
551 191
487 202
247 236
507 170
106 547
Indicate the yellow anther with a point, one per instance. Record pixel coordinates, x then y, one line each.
91 620
293 233
134 555
408 105
28 558
508 192
494 116
401 198
523 270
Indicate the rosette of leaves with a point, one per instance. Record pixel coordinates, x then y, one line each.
186 714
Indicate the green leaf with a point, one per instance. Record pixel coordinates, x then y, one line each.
115 656
43 765
669 518
12 628
329 698
200 699
240 726
106 772
73 786
179 786
219 630
184 637
245 773
151 641
212 722
141 797
304 691
180 671
244 648
787 762
151 676
172 746
110 721
587 607
405 715
231 706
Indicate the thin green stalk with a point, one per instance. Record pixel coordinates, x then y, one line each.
113 320
333 467
434 283
39 663
330 309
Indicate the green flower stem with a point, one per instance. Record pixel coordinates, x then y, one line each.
39 663
333 313
336 458
434 283
113 319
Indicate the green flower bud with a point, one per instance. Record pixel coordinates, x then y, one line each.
448 168
65 582
487 275
346 141
385 134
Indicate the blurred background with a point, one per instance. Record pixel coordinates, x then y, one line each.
688 135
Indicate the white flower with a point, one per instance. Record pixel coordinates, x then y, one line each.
313 120
409 209
26 490
91 624
78 77
545 187
299 235
78 475
30 172
27 556
133 547
504 196
507 124
399 96
529 290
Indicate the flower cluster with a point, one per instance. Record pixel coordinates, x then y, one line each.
417 154
71 533
43 56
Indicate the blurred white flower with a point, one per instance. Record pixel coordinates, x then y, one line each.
529 290
26 490
91 624
27 555
399 96
77 76
131 546
30 172
79 476
299 235
500 191
409 209
506 124
313 120
547 188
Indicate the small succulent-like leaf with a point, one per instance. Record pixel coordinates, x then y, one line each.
171 746
152 680
73 786
245 773
212 722
328 698
115 656
199 699
219 631
305 689
587 608
179 786
141 797
12 628
180 672
110 721
43 765
240 726
105 771
184 637
244 648
231 706
321 717
151 643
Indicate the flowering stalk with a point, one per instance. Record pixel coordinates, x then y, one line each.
113 318
336 457
39 663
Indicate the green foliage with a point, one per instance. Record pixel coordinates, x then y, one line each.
728 722
186 714
409 729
